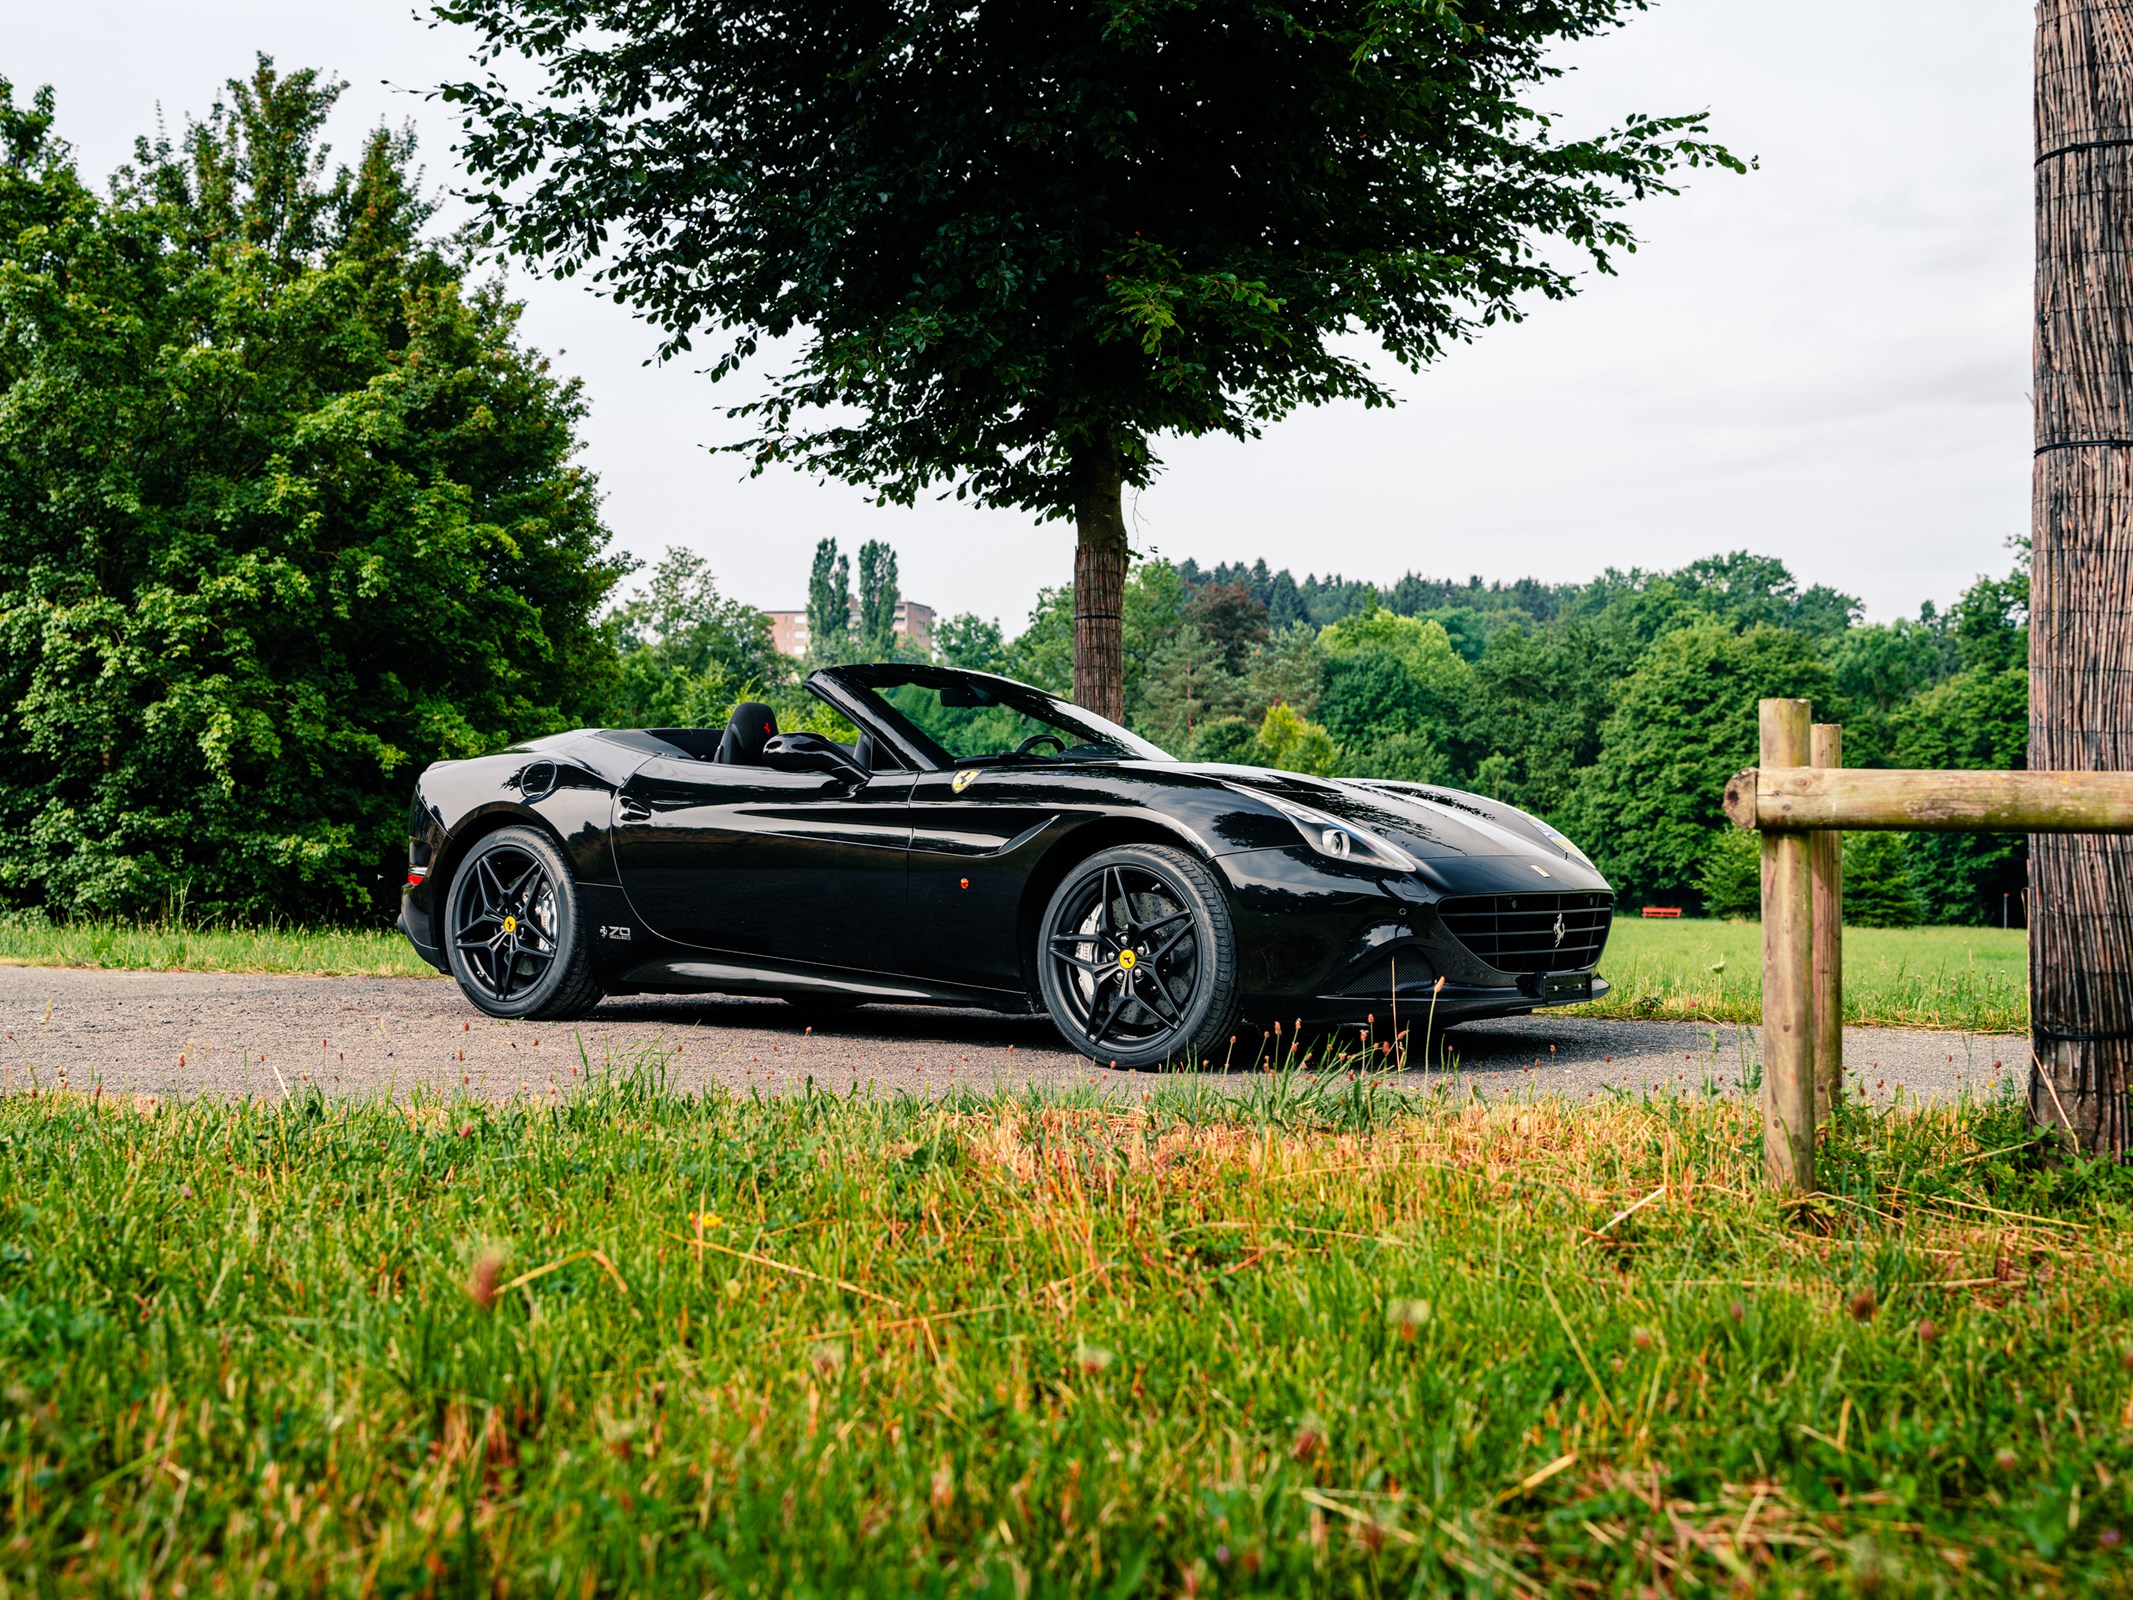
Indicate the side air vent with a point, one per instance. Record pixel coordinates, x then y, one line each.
1531 932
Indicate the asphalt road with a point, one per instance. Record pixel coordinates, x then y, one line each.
186 1033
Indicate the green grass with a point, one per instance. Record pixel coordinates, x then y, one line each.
1971 978
1693 970
170 947
1312 1339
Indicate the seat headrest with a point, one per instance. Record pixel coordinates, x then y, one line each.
751 723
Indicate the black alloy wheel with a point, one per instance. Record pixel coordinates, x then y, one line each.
1137 958
517 946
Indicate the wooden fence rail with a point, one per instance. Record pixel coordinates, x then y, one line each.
1802 799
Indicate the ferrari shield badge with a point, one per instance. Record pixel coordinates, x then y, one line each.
965 778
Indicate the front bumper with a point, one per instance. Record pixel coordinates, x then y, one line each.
1338 942
1412 1009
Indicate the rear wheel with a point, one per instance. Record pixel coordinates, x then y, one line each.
516 935
1137 958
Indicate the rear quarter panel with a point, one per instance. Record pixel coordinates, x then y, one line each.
564 787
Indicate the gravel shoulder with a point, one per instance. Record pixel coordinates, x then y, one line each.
197 1033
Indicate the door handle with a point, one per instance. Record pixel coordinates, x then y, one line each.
634 809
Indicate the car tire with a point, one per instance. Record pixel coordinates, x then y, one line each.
1137 958
515 929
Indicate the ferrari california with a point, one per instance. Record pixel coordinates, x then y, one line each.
979 842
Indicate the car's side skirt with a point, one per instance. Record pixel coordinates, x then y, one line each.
699 974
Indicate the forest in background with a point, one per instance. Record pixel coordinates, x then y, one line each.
1616 708
289 509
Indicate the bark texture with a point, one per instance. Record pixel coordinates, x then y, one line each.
1788 971
1826 862
2081 596
1100 554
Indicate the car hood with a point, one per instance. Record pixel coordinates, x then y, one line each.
1429 822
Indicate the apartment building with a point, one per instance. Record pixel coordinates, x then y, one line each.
788 629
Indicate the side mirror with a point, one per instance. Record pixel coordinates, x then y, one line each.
810 752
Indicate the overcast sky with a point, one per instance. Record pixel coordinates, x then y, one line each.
1825 360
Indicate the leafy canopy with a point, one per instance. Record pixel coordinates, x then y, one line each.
288 512
987 239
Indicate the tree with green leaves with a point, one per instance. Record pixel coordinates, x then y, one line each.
1150 611
1188 686
878 598
1010 247
686 653
1683 723
1878 887
1730 882
287 511
1398 697
829 606
1978 716
971 641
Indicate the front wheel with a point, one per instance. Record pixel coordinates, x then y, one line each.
1137 958
516 934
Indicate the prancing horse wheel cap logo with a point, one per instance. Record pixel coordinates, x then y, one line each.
1126 958
965 779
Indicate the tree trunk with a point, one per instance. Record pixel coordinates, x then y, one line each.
1100 581
2081 586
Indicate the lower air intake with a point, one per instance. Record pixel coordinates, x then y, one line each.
1531 932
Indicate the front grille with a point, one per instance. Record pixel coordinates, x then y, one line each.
1518 932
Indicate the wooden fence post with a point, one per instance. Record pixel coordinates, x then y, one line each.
1828 872
1788 970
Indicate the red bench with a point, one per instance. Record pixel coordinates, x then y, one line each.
1662 911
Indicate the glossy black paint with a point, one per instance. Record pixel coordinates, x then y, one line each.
903 886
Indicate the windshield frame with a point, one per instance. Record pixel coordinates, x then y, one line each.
855 691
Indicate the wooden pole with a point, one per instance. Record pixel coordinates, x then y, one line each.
1960 802
1788 971
1827 870
2081 585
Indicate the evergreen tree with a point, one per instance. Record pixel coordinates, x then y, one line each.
1878 892
1284 603
1188 686
878 597
1731 882
829 606
1230 619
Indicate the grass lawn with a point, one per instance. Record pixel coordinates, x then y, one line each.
1318 1339
159 947
1694 970
1687 970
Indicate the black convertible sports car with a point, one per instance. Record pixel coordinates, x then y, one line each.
983 843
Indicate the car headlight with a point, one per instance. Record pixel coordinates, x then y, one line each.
1343 841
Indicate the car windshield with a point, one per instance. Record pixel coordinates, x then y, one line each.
965 719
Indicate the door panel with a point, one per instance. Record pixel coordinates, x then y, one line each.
789 866
971 853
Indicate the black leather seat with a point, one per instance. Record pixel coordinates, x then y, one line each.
751 723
